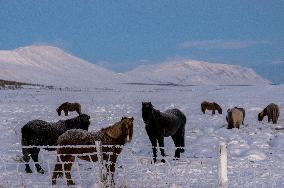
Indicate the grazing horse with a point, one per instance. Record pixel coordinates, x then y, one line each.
234 118
205 105
112 139
243 111
271 111
163 124
69 107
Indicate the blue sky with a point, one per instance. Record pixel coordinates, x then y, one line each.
122 35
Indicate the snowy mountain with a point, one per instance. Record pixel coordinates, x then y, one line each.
195 73
52 66
47 65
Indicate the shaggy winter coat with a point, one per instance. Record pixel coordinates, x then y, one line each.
205 105
272 113
243 111
42 133
234 118
116 135
69 107
163 124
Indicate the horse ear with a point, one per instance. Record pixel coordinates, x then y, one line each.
132 118
122 118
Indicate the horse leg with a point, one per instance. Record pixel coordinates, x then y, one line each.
26 158
202 109
34 155
213 112
66 112
154 148
162 149
57 171
68 161
78 111
178 139
182 138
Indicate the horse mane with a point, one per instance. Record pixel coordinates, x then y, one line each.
115 130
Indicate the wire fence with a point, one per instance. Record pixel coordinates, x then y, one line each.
136 169
133 169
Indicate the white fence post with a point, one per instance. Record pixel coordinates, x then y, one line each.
100 160
222 167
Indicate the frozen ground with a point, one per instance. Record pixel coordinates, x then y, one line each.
255 152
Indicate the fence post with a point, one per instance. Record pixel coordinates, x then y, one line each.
222 167
100 160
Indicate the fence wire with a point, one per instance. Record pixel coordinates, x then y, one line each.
133 169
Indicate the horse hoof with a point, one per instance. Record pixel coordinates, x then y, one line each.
41 171
176 158
60 174
153 161
163 161
28 170
70 182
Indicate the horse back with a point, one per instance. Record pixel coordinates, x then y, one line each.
173 120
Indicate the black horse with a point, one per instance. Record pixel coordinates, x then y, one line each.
164 124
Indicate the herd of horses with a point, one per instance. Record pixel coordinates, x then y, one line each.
75 132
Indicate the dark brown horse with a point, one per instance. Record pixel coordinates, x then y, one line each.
271 111
205 105
69 107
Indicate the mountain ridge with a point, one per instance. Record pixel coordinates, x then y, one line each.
49 65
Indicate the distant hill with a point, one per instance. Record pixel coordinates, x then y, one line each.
47 65
195 73
52 66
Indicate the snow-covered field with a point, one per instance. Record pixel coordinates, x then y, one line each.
255 152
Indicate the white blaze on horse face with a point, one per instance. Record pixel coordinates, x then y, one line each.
128 137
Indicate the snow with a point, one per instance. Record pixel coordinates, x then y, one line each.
47 65
52 66
255 151
191 72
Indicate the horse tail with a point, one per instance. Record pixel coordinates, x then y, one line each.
183 118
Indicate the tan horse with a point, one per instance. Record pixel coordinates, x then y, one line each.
116 135
234 118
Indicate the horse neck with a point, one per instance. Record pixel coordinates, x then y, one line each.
156 112
70 123
115 133
264 112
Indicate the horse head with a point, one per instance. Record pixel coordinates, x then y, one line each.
217 106
147 112
58 111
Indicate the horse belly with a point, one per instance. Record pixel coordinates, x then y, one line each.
171 131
